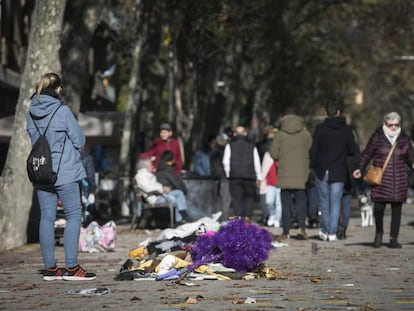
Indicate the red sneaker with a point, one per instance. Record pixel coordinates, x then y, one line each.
52 274
78 274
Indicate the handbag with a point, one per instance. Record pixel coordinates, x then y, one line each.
374 174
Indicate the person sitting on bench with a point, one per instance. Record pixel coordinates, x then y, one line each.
155 192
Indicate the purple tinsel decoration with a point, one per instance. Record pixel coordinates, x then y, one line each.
236 245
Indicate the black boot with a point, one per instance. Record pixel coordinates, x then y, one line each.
340 233
394 243
344 232
378 240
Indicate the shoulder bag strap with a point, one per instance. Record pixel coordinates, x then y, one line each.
389 156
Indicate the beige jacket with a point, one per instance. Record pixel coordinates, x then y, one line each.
291 147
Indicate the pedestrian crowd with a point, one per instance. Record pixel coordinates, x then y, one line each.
300 177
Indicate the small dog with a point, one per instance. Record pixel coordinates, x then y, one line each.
366 206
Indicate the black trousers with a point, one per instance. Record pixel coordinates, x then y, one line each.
379 208
243 193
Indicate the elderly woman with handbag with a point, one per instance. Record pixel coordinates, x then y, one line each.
391 150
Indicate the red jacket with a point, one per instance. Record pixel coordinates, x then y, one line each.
271 177
159 146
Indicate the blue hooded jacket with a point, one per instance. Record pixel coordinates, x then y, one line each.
63 124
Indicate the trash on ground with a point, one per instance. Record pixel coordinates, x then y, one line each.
191 300
250 300
90 291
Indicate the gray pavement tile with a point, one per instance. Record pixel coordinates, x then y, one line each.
343 275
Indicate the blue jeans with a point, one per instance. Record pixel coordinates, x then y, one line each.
69 195
177 199
273 201
330 196
300 204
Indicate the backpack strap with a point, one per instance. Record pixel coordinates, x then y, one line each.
37 128
44 133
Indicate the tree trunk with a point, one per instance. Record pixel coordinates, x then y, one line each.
129 128
15 188
81 19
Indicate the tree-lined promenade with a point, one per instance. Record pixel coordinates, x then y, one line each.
203 66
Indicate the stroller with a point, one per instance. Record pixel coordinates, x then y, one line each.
86 204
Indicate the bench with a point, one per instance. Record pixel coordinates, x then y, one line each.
143 211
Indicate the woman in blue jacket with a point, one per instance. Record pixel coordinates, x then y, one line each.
65 138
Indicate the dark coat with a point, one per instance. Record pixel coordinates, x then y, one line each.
394 181
216 162
263 146
333 142
167 176
242 159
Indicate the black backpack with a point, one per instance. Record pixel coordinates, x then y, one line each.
39 161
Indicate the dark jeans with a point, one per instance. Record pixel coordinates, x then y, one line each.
300 204
396 208
345 213
313 203
243 193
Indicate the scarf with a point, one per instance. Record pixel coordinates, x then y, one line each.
391 135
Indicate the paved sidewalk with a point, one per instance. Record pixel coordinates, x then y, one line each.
342 275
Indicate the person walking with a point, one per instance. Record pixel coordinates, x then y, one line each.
333 141
242 167
394 185
263 146
313 201
290 147
346 200
270 192
65 138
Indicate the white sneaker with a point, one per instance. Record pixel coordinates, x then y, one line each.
332 237
323 236
276 224
271 220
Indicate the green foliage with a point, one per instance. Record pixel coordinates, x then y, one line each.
272 57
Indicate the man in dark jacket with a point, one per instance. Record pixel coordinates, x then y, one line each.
242 166
333 141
